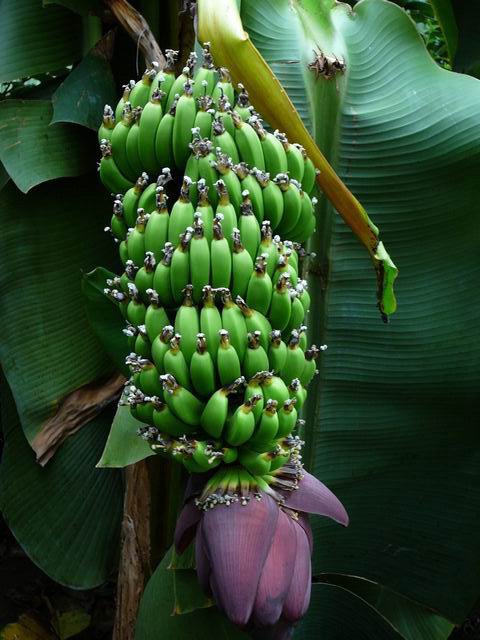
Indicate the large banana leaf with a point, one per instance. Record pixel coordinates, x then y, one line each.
391 422
66 516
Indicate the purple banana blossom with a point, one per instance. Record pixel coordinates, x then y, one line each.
253 552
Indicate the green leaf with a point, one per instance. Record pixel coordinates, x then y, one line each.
81 97
82 7
47 348
338 614
34 152
105 318
67 515
410 619
467 18
4 177
124 446
392 420
446 18
156 609
36 39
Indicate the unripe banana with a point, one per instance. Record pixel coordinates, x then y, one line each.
160 346
292 203
206 77
185 76
255 321
259 292
111 176
242 105
174 362
142 345
224 167
277 352
149 122
202 369
206 159
183 403
254 388
155 317
242 424
298 392
242 266
281 305
117 223
227 210
297 314
250 183
108 123
136 239
248 143
234 322
310 366
268 247
165 77
199 259
228 362
141 91
267 427
224 113
182 127
210 321
187 323
295 161
124 99
223 140
274 388
205 209
284 266
123 251
248 225
273 151
309 171
167 422
144 276
136 309
303 295
221 258
215 414
131 200
256 358
132 144
119 142
182 213
287 418
156 231
204 117
148 199
224 86
307 221
162 277
302 330
295 360
149 381
164 137
254 462
272 198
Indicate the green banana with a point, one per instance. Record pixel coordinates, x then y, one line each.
221 258
248 225
149 381
136 309
303 295
151 116
272 198
108 123
259 291
164 137
117 223
178 83
307 221
205 209
183 125
187 323
242 424
132 144
228 362
234 322
297 314
148 199
274 388
142 344
215 414
287 418
144 276
273 151
254 388
156 231
204 117
167 422
210 321
199 259
309 172
224 166
182 213
136 239
255 321
256 358
205 77
227 210
268 247
174 362
249 183
124 99
182 402
140 93
242 105
248 143
123 252
155 316
131 200
118 141
295 161
310 365
166 77
242 266
302 331
267 427
202 369
295 360
254 462
292 203
200 457
160 346
281 305
110 175
223 140
224 86
284 266
224 113
206 170
161 279
297 391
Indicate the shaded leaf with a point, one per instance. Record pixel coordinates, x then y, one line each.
82 95
444 13
48 349
187 592
34 152
338 614
66 516
36 39
27 628
157 606
123 445
104 317
467 17
82 7
392 422
4 177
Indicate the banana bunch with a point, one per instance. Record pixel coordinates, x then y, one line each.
212 290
